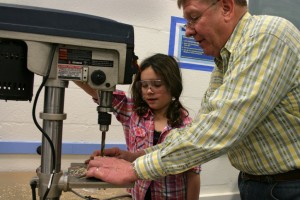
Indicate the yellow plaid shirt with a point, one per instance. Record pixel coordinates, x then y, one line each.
251 110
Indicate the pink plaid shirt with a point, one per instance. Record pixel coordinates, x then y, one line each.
139 134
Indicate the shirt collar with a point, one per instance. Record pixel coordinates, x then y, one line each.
237 33
149 114
234 39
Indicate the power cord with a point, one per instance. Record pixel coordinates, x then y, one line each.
33 185
84 197
39 127
92 198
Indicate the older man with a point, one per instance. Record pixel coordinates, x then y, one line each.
251 110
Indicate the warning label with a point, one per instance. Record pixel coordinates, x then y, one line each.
81 57
67 71
74 56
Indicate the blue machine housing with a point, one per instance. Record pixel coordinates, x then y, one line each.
64 23
54 22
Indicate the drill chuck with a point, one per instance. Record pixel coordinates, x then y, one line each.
104 120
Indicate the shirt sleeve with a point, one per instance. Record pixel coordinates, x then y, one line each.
123 106
254 83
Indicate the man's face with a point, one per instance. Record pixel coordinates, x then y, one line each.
205 24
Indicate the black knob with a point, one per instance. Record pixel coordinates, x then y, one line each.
98 77
39 150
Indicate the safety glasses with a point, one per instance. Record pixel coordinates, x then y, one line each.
154 85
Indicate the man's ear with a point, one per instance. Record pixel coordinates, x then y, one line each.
227 9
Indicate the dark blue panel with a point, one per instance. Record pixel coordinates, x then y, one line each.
288 9
63 23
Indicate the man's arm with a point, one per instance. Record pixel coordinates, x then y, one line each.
233 109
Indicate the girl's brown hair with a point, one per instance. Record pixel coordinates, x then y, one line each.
168 69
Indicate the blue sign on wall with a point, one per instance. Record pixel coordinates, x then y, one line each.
187 50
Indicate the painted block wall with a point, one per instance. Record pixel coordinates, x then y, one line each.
151 21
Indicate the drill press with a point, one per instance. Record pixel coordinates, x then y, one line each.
62 46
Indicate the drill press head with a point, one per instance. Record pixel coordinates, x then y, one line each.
95 50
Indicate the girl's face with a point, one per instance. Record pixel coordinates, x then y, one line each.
154 91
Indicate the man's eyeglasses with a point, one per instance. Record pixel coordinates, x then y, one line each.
154 85
191 23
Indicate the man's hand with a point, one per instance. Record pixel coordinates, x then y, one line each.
118 153
112 170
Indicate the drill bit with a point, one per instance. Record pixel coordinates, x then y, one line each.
102 143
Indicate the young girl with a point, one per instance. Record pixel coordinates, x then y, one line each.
147 118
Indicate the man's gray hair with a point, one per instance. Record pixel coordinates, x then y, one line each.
237 2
